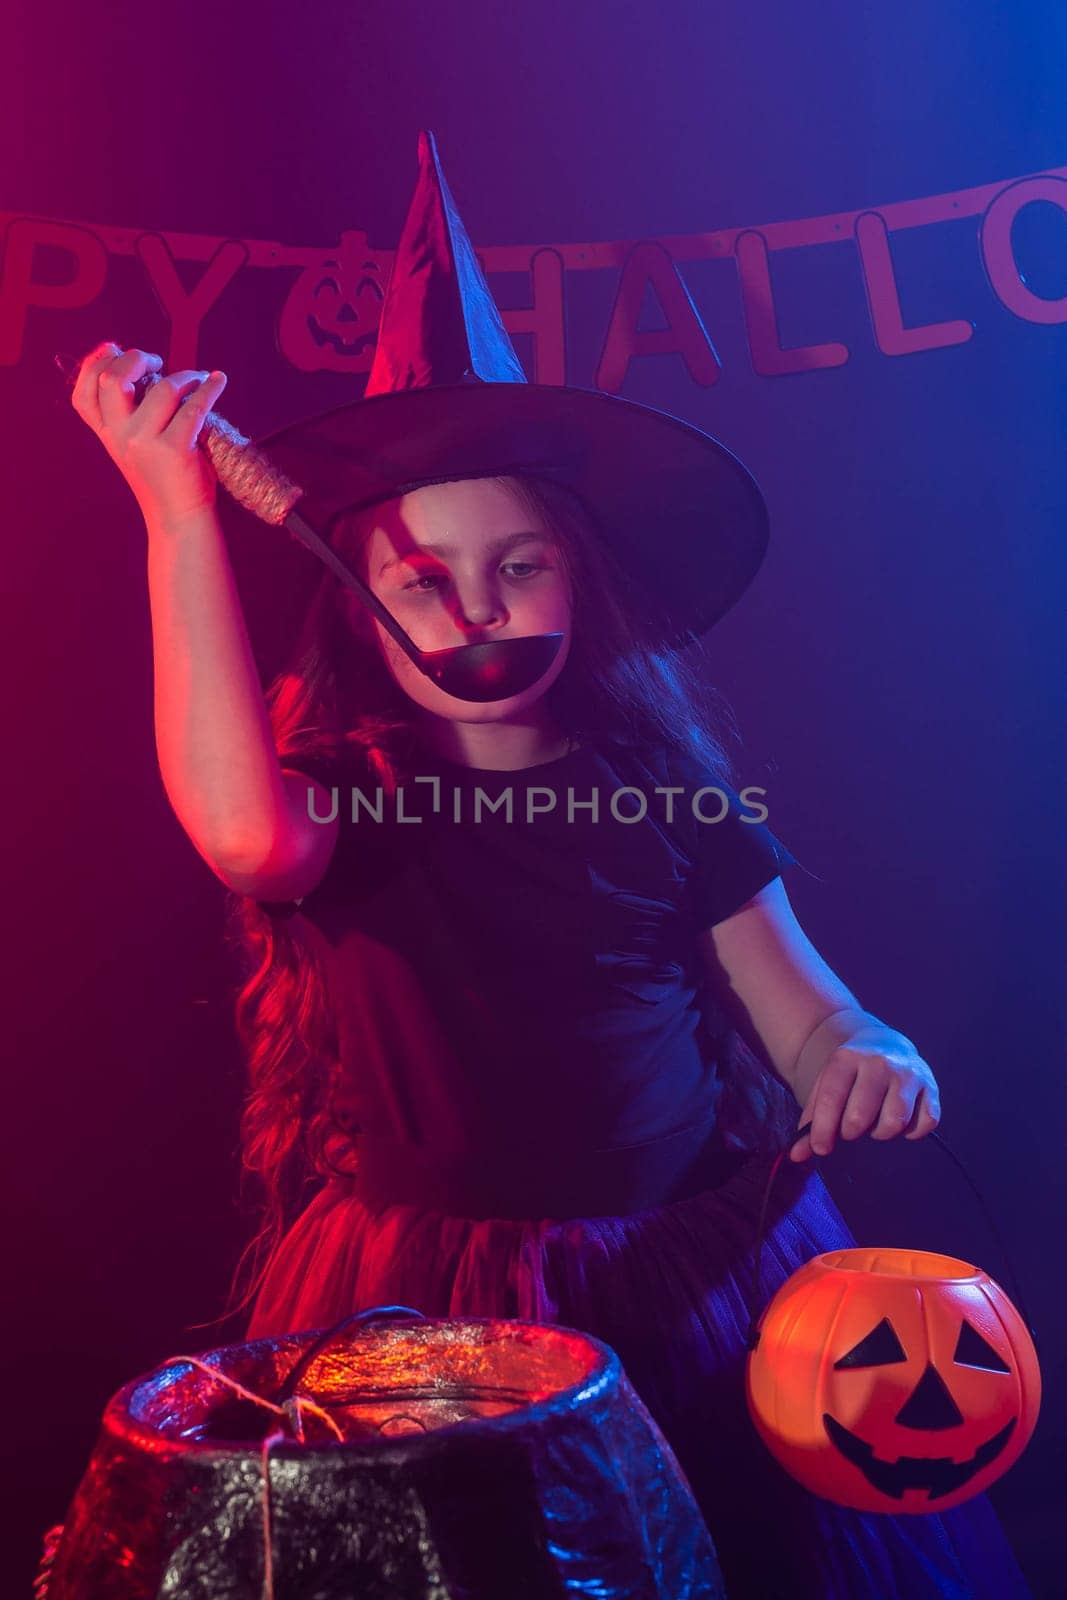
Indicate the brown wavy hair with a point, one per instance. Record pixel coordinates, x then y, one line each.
619 687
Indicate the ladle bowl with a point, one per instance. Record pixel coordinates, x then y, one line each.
495 670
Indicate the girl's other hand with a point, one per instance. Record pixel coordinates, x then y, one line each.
153 443
874 1081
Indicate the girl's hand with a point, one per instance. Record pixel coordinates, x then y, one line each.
875 1080
154 443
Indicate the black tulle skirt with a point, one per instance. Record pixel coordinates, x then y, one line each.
668 1289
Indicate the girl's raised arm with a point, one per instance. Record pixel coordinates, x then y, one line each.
214 741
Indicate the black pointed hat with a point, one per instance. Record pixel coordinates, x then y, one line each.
447 398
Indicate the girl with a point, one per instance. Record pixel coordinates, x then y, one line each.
521 1034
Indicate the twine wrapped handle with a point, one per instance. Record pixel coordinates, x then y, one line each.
251 478
243 469
245 472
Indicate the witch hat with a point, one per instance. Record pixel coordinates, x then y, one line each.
447 398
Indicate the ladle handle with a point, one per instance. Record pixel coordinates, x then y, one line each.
301 529
251 478
245 471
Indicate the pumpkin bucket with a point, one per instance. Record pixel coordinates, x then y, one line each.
416 1460
892 1380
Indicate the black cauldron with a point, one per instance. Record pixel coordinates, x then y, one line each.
470 1459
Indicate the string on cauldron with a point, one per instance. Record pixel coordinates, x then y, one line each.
292 1411
290 1405
752 1337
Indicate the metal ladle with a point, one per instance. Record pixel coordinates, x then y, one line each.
494 670
480 672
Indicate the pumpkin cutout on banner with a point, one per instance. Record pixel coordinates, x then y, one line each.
893 1380
330 319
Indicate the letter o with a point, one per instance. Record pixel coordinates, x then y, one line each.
1001 267
710 790
640 815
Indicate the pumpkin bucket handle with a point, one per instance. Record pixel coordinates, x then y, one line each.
752 1337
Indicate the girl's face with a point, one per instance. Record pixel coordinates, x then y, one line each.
463 563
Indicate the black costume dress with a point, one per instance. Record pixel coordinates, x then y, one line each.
533 1077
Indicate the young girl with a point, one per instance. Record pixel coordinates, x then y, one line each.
521 1034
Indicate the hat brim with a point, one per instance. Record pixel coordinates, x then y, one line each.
683 515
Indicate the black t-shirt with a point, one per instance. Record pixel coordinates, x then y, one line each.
536 978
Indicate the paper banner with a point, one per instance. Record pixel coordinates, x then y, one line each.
330 298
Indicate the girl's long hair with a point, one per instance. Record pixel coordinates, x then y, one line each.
618 688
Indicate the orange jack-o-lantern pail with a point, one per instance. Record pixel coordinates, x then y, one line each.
893 1380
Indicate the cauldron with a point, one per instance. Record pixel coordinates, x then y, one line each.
474 1459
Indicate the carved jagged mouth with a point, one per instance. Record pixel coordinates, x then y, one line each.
344 344
938 1475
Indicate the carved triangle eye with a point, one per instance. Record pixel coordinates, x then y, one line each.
880 1348
974 1351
